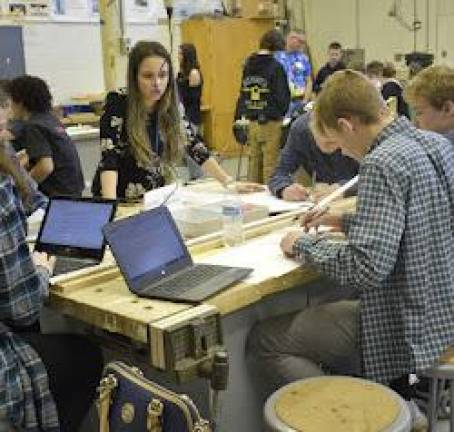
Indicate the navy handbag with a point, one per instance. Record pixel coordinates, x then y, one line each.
128 402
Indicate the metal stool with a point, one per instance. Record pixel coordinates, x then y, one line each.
336 403
438 376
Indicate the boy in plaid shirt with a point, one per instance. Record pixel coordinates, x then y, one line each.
398 254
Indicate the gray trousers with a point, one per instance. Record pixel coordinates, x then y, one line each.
318 340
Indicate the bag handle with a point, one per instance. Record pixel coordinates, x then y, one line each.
106 387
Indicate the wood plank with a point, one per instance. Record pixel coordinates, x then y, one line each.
105 301
243 294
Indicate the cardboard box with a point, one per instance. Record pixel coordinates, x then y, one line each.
197 221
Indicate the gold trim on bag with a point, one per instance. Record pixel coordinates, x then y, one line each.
202 426
128 413
106 387
154 415
153 388
155 408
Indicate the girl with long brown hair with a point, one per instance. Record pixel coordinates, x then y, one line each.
142 131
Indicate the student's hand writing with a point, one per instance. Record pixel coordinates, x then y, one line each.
295 192
315 218
289 240
248 187
43 260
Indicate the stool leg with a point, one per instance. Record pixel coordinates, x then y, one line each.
451 404
433 404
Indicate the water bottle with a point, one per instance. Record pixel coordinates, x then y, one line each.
232 219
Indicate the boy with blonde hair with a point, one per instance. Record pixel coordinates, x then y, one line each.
431 95
398 253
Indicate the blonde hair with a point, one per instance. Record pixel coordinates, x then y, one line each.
435 84
167 107
347 94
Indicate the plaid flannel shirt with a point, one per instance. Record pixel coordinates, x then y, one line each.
25 399
399 252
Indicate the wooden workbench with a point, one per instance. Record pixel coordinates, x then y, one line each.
100 296
102 300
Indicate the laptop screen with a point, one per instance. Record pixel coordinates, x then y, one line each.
147 246
73 227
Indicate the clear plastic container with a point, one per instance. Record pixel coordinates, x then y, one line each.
232 222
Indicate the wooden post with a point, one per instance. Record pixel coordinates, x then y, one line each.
297 14
114 52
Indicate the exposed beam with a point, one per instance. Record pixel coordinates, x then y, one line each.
114 52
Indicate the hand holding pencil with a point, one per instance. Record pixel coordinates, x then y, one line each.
319 213
321 216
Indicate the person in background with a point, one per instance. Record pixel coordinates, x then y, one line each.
142 131
190 83
431 95
5 106
48 382
391 87
53 161
19 159
374 71
263 100
333 64
298 69
404 319
301 151
6 127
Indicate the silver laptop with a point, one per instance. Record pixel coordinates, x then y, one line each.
155 262
72 231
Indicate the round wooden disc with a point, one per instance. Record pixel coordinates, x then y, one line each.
338 404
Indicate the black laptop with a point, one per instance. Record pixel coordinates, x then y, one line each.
72 231
155 262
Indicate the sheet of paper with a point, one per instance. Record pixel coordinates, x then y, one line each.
264 198
199 196
275 205
177 197
263 254
34 224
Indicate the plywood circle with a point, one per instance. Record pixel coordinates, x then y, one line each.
338 404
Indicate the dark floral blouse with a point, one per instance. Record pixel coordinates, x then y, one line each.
116 155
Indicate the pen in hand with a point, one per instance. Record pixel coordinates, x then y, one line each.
322 206
313 183
310 215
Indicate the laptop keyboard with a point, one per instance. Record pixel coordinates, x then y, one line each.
67 265
186 280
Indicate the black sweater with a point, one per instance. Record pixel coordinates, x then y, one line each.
264 93
324 73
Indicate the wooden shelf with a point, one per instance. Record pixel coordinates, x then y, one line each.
80 118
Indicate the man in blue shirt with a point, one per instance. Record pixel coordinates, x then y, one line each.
301 151
431 95
298 69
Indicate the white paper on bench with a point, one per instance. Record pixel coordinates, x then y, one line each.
263 254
